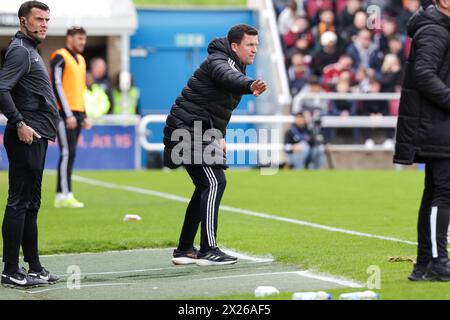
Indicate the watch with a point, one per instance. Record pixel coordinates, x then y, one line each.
20 124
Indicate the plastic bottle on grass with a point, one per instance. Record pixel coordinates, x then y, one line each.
311 296
366 295
264 291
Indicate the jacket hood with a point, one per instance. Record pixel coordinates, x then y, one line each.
223 45
430 15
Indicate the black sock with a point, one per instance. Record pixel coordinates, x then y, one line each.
11 268
35 266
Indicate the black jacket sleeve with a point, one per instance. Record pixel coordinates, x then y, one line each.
224 74
289 141
431 48
17 64
57 64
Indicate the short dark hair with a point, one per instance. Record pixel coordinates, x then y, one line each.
76 30
26 7
236 33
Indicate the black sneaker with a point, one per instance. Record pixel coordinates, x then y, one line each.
418 273
214 257
21 280
44 275
438 270
185 257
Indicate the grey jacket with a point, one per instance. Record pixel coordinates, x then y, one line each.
25 89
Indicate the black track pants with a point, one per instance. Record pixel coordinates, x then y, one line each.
434 214
67 140
26 166
204 207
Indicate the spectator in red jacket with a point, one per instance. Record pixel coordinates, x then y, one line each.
332 72
299 30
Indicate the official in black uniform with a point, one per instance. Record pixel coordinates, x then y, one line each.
423 134
201 114
27 100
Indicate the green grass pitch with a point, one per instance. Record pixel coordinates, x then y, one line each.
383 203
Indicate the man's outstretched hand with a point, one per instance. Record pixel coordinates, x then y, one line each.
258 88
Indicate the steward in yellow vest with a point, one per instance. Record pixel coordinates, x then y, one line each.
128 105
96 100
69 81
68 76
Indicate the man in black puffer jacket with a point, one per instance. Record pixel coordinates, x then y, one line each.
423 134
194 137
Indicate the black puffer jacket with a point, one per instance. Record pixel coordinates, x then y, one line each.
423 129
211 95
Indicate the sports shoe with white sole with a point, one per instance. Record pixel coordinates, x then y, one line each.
44 275
185 257
21 280
69 203
214 257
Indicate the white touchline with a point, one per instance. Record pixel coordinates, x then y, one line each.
244 256
306 274
343 282
237 210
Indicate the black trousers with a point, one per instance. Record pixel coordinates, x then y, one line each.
67 141
434 213
26 166
203 208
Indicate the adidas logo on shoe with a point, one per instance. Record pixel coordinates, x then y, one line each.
214 257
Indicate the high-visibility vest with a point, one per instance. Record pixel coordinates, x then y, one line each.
73 79
130 105
96 101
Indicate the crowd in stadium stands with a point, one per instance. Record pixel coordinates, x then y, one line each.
329 47
344 46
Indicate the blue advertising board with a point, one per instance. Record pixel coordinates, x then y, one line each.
109 147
